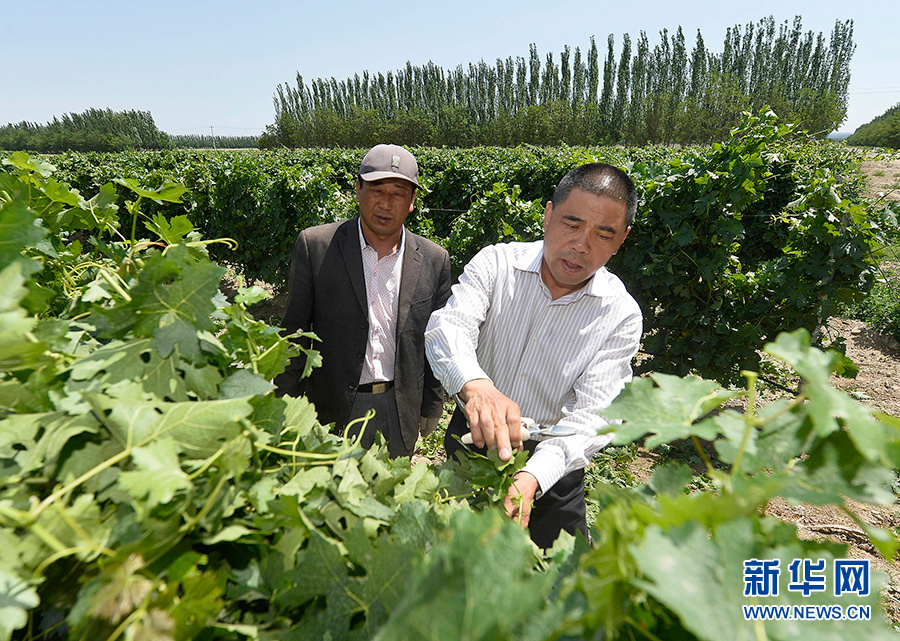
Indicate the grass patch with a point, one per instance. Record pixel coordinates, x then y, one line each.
880 309
609 466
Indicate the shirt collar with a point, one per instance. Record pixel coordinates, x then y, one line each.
363 243
530 261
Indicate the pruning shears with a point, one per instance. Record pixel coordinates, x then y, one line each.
532 431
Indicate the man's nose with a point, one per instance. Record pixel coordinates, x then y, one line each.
580 243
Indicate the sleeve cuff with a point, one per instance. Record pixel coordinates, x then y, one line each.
464 374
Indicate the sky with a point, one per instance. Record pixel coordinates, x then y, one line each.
206 67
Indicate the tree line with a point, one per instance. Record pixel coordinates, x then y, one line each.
882 131
107 131
200 141
637 93
91 130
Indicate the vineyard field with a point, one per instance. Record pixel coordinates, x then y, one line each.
153 487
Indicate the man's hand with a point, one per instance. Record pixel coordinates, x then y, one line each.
520 497
494 419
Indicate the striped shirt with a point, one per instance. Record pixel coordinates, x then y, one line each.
560 360
383 298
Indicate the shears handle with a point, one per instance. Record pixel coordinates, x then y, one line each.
526 434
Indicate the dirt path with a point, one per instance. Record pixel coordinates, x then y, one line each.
883 177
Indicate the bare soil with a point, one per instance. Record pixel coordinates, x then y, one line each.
883 178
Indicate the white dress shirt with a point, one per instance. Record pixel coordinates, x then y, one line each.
561 360
383 298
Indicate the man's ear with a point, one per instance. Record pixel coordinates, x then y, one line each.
548 211
627 229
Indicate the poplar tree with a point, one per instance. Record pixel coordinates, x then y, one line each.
650 92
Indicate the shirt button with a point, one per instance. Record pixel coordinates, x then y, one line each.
360 354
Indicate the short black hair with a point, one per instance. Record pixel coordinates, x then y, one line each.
600 179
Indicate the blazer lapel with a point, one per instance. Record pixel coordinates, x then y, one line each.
409 278
352 255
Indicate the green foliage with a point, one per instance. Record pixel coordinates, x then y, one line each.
152 484
663 94
152 487
92 130
882 131
193 141
880 309
264 200
497 217
737 243
732 243
265 207
683 543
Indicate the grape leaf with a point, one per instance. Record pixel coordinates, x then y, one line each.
173 290
19 229
130 360
670 478
158 477
700 578
203 381
172 232
16 599
251 295
198 599
348 606
19 348
835 469
830 408
198 428
169 192
57 429
305 482
244 383
669 410
485 591
78 525
782 438
27 164
101 210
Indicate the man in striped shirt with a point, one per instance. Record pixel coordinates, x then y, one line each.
544 330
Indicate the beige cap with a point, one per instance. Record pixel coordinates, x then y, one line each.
389 161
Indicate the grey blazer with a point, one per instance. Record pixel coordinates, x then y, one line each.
328 297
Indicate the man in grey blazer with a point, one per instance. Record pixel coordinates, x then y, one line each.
366 287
